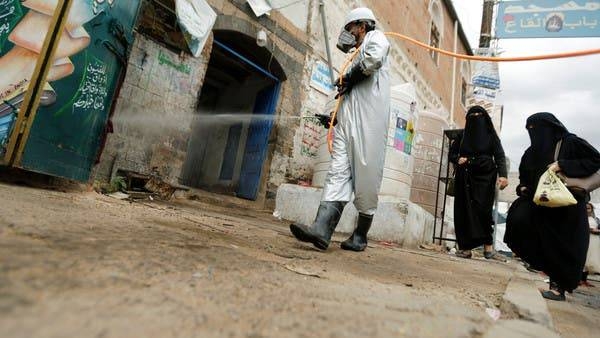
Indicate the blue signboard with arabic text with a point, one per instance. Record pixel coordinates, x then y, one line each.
548 19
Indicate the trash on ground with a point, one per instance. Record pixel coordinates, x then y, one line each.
387 243
301 271
163 189
493 313
431 247
118 195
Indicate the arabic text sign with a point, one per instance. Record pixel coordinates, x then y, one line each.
10 12
320 78
548 19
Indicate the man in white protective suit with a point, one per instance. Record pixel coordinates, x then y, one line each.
360 135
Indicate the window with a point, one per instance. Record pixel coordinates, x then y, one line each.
158 21
437 25
463 92
434 41
465 72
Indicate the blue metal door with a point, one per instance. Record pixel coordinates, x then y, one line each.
257 142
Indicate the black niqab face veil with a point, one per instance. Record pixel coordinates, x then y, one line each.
479 135
545 130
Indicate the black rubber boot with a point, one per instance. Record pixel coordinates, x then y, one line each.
319 233
358 240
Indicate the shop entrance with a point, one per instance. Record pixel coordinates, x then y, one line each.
230 133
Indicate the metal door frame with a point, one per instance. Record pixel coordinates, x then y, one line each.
270 106
276 88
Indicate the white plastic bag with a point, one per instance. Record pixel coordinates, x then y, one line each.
551 192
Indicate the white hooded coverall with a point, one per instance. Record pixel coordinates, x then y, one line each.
360 136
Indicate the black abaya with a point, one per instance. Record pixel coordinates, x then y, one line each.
553 240
475 181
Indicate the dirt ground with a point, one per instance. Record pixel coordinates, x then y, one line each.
80 264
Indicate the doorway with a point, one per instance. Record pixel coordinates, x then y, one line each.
229 139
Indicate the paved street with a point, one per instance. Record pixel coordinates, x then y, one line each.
75 263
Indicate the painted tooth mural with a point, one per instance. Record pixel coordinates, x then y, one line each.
76 99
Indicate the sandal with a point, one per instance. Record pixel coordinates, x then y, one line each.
548 294
464 253
494 256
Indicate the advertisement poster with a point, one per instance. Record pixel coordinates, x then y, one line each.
403 136
76 99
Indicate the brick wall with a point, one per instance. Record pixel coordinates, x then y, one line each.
433 81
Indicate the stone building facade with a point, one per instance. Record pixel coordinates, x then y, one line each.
162 124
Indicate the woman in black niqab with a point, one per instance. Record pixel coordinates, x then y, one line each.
479 133
545 130
480 164
553 240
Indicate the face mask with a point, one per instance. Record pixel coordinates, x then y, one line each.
346 41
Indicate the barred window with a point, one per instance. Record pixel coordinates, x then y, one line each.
434 41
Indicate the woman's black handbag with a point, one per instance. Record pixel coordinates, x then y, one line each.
450 184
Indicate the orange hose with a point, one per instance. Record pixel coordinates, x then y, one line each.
498 59
339 102
456 55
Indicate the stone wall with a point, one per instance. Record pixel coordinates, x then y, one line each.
157 101
289 47
153 112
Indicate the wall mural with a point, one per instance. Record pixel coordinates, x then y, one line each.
69 129
23 28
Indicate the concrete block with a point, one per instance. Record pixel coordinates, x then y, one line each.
523 298
419 226
397 219
296 203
